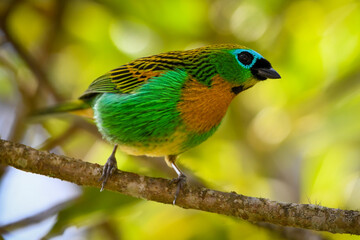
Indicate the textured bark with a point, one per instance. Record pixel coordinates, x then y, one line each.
161 190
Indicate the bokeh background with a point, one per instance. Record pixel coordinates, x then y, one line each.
296 139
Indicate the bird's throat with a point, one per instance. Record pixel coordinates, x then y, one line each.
202 108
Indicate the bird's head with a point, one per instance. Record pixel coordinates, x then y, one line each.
242 66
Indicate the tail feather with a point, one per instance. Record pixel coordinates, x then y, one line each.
76 107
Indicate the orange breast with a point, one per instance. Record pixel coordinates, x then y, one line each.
203 107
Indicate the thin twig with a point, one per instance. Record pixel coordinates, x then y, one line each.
7 10
28 59
23 106
28 99
56 141
38 217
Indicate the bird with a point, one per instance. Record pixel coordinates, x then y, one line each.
165 104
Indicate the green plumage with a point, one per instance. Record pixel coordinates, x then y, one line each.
136 104
147 118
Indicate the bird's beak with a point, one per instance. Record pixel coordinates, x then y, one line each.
264 73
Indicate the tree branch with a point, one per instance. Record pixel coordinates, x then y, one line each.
161 190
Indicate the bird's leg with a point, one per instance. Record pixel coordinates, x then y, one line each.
180 180
109 167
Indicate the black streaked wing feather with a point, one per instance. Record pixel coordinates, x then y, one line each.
127 78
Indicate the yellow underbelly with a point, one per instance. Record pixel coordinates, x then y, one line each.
173 146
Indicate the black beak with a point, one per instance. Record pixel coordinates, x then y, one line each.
265 73
263 70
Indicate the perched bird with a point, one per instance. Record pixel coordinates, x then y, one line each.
165 104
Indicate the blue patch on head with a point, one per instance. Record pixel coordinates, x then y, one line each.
252 52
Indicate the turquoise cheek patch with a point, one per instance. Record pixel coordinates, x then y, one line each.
252 52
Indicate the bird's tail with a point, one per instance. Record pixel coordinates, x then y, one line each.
78 107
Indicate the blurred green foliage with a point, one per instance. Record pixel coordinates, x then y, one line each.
296 139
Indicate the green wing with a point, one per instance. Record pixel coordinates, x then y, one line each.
127 78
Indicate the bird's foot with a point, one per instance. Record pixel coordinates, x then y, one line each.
180 182
108 169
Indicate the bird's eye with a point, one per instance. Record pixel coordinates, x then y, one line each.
245 58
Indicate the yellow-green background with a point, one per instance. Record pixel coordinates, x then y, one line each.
296 139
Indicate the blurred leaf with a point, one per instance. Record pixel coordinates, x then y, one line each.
92 207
